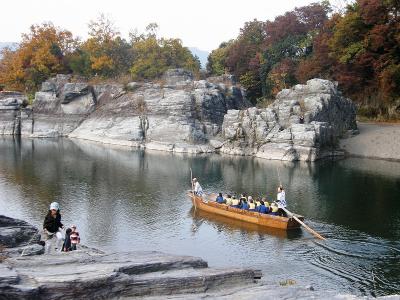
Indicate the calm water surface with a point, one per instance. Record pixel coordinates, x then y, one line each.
130 200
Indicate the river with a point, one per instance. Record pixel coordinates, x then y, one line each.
123 199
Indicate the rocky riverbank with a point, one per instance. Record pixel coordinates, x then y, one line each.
180 114
27 273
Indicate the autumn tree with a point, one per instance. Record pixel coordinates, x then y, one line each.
361 50
104 53
265 55
216 62
40 55
153 56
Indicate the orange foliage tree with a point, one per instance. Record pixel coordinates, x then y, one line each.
39 56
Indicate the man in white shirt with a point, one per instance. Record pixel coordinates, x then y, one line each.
197 188
281 200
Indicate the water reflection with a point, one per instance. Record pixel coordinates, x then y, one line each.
123 199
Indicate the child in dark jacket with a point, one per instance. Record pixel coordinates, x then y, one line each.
67 242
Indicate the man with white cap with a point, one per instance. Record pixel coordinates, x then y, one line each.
197 188
51 227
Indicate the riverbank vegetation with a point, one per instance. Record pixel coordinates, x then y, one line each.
358 47
47 50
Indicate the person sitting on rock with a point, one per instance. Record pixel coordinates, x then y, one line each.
235 202
51 227
75 238
198 190
229 200
67 241
220 199
262 209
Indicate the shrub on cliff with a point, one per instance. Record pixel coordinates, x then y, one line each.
153 56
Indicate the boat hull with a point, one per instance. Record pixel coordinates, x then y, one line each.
264 220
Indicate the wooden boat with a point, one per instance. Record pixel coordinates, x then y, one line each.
207 203
230 225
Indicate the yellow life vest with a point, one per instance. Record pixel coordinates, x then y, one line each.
274 208
266 203
252 206
228 201
235 201
258 203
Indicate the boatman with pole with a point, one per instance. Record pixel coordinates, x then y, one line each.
198 191
281 201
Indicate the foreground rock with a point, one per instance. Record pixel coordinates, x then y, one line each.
19 238
180 114
90 274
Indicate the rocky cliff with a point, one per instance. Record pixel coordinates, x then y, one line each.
181 114
303 123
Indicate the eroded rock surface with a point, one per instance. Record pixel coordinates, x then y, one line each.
18 238
11 103
304 123
180 114
91 274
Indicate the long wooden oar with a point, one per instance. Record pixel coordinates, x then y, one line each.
304 225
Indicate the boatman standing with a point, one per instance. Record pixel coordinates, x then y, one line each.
197 188
281 200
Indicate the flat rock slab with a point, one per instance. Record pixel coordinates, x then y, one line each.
89 275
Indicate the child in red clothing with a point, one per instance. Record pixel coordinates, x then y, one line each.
74 236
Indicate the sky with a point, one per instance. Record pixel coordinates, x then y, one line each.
203 24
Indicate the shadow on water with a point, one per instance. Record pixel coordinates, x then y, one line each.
123 199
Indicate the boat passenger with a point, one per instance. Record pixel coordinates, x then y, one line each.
235 202
220 199
252 205
266 203
197 188
261 208
274 209
229 200
245 205
258 202
242 197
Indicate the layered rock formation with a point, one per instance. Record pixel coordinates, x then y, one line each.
90 274
304 123
11 104
19 238
180 114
